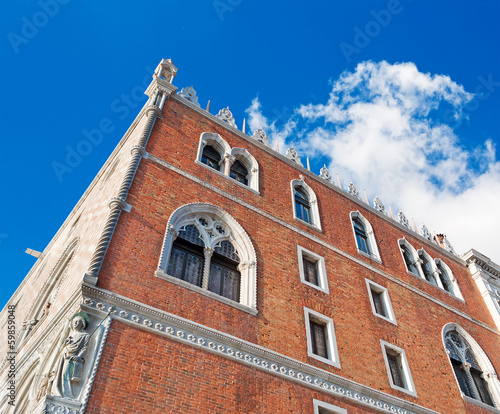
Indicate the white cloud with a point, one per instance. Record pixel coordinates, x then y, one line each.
379 129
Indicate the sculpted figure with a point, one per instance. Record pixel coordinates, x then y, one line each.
44 384
72 359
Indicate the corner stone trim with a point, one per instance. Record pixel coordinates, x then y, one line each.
222 344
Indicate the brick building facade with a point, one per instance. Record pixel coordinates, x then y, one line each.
202 271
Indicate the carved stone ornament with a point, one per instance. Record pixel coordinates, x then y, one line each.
325 174
166 70
189 94
424 231
261 136
292 154
403 220
68 372
377 205
226 116
352 190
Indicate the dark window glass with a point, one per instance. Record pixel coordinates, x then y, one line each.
310 271
224 278
211 157
445 280
318 339
192 235
239 172
379 303
396 371
410 263
302 206
427 269
361 237
482 387
461 378
186 262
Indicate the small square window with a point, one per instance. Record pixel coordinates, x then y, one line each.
380 301
321 342
398 369
312 269
321 407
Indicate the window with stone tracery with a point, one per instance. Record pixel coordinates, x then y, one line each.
364 236
470 373
207 249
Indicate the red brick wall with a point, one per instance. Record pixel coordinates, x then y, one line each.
157 191
144 373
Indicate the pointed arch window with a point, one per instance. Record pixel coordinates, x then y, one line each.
364 236
206 250
427 268
305 203
302 206
234 163
474 373
409 257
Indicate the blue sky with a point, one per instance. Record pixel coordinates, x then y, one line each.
66 66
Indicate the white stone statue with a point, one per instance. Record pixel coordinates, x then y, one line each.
292 154
325 174
403 220
72 358
377 205
352 190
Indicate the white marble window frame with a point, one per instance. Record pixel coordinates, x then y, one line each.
321 268
405 368
375 287
333 355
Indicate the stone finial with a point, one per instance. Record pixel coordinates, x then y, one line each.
325 174
424 231
166 70
403 220
226 116
189 94
291 154
377 205
261 136
352 190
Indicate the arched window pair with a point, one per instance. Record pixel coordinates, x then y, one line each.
236 163
474 373
364 235
305 203
205 247
435 271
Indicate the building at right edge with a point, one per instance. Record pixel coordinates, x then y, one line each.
238 281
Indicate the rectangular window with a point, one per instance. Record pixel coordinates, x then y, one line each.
397 368
380 301
312 269
321 407
321 342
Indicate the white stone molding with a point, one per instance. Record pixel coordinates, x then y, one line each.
119 202
260 136
292 155
331 342
433 268
311 236
486 274
315 220
218 143
352 190
377 205
220 226
219 343
327 408
403 220
324 173
189 94
481 358
226 116
373 251
414 257
250 163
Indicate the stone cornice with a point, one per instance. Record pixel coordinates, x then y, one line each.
316 239
304 171
210 340
483 262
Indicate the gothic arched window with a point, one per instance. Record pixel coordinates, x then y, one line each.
470 365
211 157
427 268
364 236
205 247
305 203
239 172
409 256
302 206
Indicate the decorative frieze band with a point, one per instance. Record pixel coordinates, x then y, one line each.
222 344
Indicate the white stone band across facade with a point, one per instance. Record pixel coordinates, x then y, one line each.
222 344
